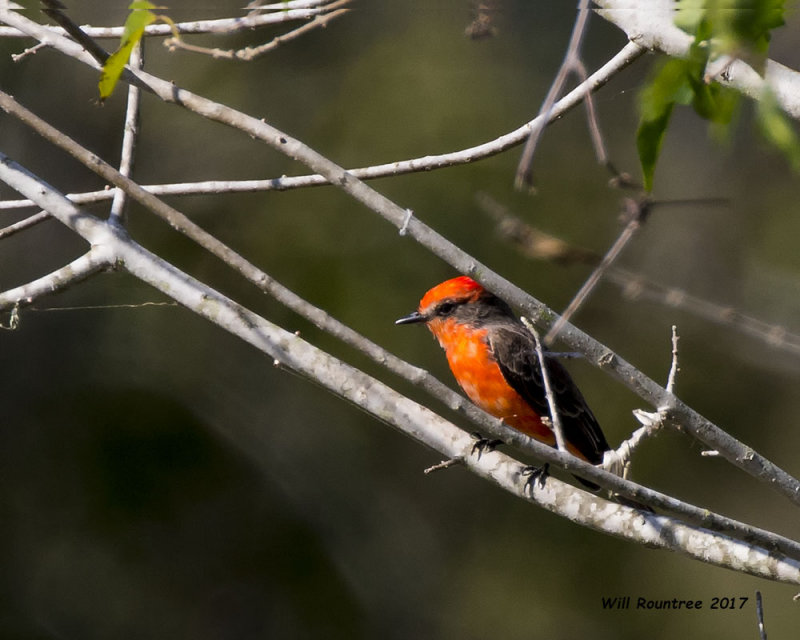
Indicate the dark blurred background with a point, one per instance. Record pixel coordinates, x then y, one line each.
160 478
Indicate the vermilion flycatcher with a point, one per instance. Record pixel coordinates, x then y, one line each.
493 357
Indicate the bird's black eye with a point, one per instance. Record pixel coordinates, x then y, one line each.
445 309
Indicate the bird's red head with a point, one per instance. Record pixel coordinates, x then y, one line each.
461 289
444 308
439 306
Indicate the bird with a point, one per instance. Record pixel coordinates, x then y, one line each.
494 359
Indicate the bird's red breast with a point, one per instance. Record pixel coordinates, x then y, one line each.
477 372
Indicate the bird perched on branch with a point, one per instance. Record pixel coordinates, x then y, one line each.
493 358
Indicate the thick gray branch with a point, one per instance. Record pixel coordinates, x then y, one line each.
290 351
701 428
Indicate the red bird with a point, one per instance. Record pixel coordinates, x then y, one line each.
493 357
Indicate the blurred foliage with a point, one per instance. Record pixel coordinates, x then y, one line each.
160 478
741 29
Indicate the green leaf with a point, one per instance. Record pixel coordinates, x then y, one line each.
711 101
738 28
777 129
668 86
649 138
141 15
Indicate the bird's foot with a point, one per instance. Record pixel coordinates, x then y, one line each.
483 445
536 474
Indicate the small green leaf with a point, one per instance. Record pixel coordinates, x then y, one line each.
141 15
667 87
649 137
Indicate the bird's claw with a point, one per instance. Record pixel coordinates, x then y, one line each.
535 474
483 445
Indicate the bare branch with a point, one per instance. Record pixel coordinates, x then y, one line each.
634 223
444 464
620 61
600 150
27 223
524 177
636 287
250 53
88 264
625 57
217 26
384 403
16 57
555 416
129 137
652 422
673 369
736 452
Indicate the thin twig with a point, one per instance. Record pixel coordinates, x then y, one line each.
625 57
532 242
444 464
131 133
106 307
635 287
598 142
555 416
249 53
652 422
216 26
674 368
16 57
634 223
26 223
762 631
524 177
89 263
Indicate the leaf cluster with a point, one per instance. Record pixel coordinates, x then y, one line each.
738 29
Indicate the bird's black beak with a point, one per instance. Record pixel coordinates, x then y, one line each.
411 318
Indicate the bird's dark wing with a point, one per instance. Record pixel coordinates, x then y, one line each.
514 350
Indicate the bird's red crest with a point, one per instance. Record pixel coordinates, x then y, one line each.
461 288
